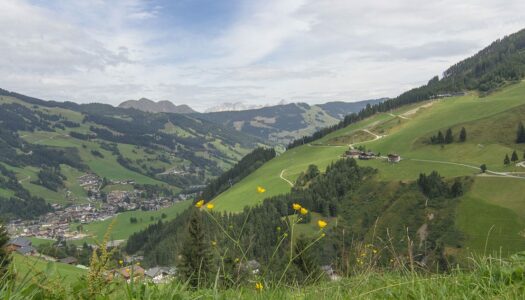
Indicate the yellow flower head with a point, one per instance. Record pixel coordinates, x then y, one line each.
237 259
322 224
323 234
210 206
199 204
128 270
260 190
374 250
259 286
214 243
120 262
138 263
304 211
296 206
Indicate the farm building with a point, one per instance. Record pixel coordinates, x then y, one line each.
394 158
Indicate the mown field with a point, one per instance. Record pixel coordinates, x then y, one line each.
123 227
491 124
28 268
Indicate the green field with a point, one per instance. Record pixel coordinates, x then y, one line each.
491 123
32 266
123 228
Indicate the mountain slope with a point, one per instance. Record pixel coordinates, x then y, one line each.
164 106
491 124
47 146
283 123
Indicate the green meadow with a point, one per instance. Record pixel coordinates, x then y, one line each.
123 227
491 123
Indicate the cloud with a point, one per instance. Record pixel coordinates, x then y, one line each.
257 52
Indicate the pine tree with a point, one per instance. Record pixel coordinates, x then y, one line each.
514 157
305 260
440 138
506 161
449 137
463 135
5 257
196 262
520 136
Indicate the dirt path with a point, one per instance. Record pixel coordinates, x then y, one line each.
488 172
400 116
25 179
282 177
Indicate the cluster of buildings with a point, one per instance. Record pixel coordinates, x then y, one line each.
368 155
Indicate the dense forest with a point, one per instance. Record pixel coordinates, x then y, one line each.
367 211
501 63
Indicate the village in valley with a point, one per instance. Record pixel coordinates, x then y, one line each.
100 206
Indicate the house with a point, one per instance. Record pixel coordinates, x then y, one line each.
353 153
21 245
329 271
251 266
160 274
69 260
127 272
367 155
394 158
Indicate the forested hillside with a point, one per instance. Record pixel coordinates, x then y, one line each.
46 146
501 63
280 124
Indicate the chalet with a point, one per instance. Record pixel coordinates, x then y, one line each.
353 153
160 274
367 155
394 158
21 245
127 272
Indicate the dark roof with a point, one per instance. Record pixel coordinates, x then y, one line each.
25 250
20 242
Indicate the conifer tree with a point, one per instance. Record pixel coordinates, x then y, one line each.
463 135
306 261
440 138
520 136
449 137
5 257
196 262
506 161
514 157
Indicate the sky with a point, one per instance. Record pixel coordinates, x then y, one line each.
207 52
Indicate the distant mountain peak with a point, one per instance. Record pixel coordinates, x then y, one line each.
166 106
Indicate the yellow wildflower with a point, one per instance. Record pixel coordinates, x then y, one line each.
138 263
237 259
322 224
210 206
296 206
214 243
259 286
304 211
323 234
260 190
375 251
120 262
199 204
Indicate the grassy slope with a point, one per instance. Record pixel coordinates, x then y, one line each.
491 126
31 266
123 228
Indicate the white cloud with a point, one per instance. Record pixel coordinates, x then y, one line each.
298 50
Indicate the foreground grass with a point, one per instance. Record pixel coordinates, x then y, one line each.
486 278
